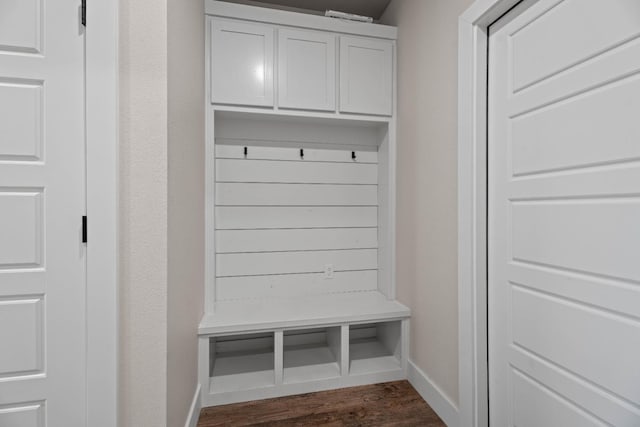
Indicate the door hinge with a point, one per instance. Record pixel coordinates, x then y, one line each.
84 229
84 13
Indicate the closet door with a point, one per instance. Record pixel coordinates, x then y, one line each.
241 63
306 70
366 76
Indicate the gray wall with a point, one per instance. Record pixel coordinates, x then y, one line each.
161 208
186 202
427 181
143 213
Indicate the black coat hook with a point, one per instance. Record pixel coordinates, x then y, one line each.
302 153
245 151
353 155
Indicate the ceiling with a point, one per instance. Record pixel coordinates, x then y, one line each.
373 8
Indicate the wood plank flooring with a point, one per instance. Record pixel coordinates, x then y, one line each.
388 404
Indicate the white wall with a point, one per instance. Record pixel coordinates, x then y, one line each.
427 181
143 213
161 208
186 202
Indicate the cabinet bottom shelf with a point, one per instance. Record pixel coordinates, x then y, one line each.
242 371
370 356
309 362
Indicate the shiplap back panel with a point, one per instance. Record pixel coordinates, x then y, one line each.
282 218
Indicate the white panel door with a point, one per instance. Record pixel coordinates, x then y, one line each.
564 214
366 76
42 258
241 63
306 70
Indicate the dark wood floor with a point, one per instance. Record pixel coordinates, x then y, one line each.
388 404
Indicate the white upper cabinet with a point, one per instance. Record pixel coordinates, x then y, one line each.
306 70
366 76
242 63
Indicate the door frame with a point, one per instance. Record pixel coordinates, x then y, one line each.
473 24
101 116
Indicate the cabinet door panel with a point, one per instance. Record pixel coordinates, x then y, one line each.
366 76
241 63
307 70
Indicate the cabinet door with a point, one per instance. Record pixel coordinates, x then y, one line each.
241 63
306 70
366 76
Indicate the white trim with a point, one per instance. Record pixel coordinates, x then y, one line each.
194 410
102 212
472 193
431 393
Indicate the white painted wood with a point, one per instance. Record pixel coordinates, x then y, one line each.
433 395
555 138
233 241
42 200
279 356
254 264
305 360
548 226
366 76
368 356
303 20
246 78
209 176
24 415
308 355
390 335
537 38
306 115
23 352
247 363
559 410
386 213
22 228
306 364
101 109
242 372
205 358
317 310
301 172
344 350
194 409
306 70
21 106
241 194
310 155
562 234
301 388
22 26
277 213
233 218
472 194
334 340
292 285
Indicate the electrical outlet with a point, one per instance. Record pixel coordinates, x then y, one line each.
328 271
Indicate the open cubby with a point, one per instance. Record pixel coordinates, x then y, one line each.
241 362
311 354
375 347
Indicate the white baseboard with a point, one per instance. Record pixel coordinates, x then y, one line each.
194 410
438 401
